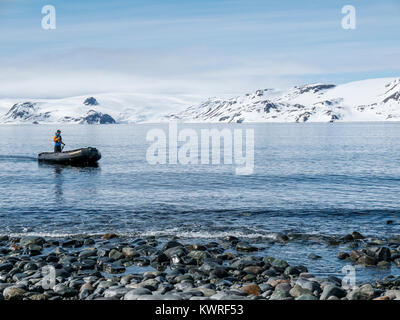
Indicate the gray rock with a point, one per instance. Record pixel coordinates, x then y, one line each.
306 297
116 292
150 284
130 252
115 254
343 255
219 272
357 236
141 261
160 297
209 265
245 246
64 291
106 284
291 271
367 260
135 293
313 256
84 294
113 268
88 253
280 263
298 291
331 290
39 297
207 292
13 293
225 296
161 258
19 276
199 255
283 287
280 295
265 287
365 292
383 254
178 251
253 270
25 241
309 284
184 286
30 266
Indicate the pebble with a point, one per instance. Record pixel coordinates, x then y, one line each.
332 290
109 236
307 297
116 292
245 246
298 291
13 293
251 289
135 293
114 268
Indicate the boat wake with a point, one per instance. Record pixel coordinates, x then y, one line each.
16 158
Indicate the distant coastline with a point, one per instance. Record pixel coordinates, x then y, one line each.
360 101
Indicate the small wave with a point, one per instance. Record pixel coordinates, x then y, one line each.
153 233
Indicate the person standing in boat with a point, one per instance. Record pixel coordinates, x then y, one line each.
58 141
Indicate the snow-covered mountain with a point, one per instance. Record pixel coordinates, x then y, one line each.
93 109
367 100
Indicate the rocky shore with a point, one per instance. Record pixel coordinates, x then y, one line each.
110 267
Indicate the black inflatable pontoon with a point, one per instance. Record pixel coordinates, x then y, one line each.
79 156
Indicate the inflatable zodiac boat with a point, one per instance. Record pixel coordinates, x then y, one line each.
79 156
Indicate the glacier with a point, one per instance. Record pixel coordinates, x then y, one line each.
366 100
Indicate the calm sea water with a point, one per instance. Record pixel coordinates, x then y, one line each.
322 179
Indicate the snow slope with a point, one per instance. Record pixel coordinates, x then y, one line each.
367 100
122 107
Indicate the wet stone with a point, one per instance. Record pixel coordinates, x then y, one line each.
343 255
331 290
113 268
280 263
251 289
245 246
31 240
130 252
13 293
64 291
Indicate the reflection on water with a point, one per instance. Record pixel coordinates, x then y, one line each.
58 181
83 168
60 171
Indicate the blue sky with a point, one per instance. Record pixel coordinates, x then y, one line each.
200 48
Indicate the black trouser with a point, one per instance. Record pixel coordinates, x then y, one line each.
57 148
